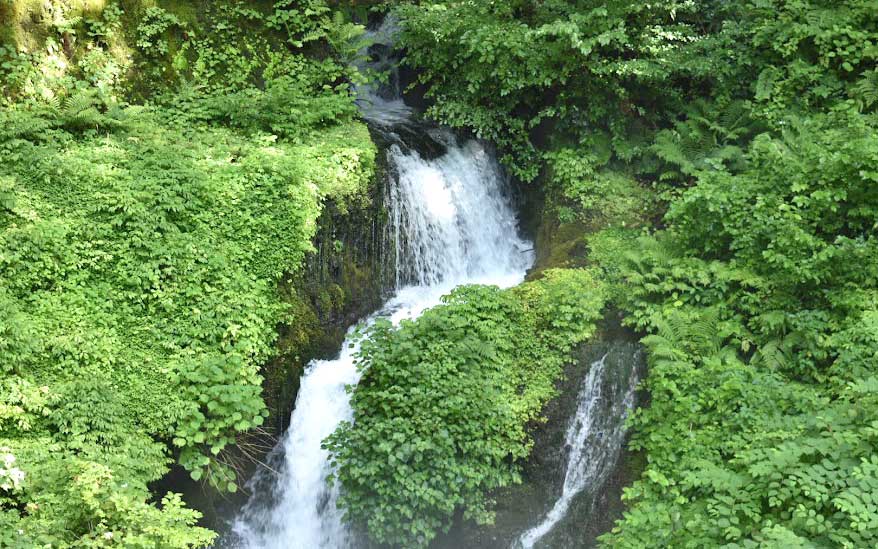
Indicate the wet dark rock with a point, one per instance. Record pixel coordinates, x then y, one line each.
409 136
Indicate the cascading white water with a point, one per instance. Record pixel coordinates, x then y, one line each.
452 221
594 437
452 224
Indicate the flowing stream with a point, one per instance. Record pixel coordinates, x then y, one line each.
452 223
594 436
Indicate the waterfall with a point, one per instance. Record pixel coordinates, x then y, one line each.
452 224
595 434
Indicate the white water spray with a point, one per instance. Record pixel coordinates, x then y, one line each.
594 438
452 224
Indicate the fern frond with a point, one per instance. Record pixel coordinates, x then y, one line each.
865 91
81 110
772 355
703 332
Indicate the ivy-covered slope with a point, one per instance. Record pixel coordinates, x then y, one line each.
152 207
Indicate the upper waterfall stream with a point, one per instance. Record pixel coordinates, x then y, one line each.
453 223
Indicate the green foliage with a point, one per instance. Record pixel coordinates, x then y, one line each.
293 104
313 20
521 68
757 465
582 188
865 91
153 31
788 280
15 68
250 47
753 120
811 51
141 249
142 50
441 413
709 138
762 294
302 21
58 48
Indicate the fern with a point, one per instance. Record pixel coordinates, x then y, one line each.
17 124
772 355
707 139
865 91
81 111
680 336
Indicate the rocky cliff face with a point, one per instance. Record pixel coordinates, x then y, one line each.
345 278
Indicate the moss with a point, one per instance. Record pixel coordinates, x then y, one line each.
294 345
186 12
558 245
28 23
612 200
25 23
57 36
56 39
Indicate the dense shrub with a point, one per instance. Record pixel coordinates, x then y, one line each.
774 269
442 410
138 279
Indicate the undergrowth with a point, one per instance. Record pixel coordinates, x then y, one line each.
142 245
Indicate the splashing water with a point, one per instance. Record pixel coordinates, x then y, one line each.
594 436
452 224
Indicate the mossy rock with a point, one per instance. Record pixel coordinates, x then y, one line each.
611 200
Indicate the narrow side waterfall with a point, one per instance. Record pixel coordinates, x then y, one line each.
594 436
453 224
